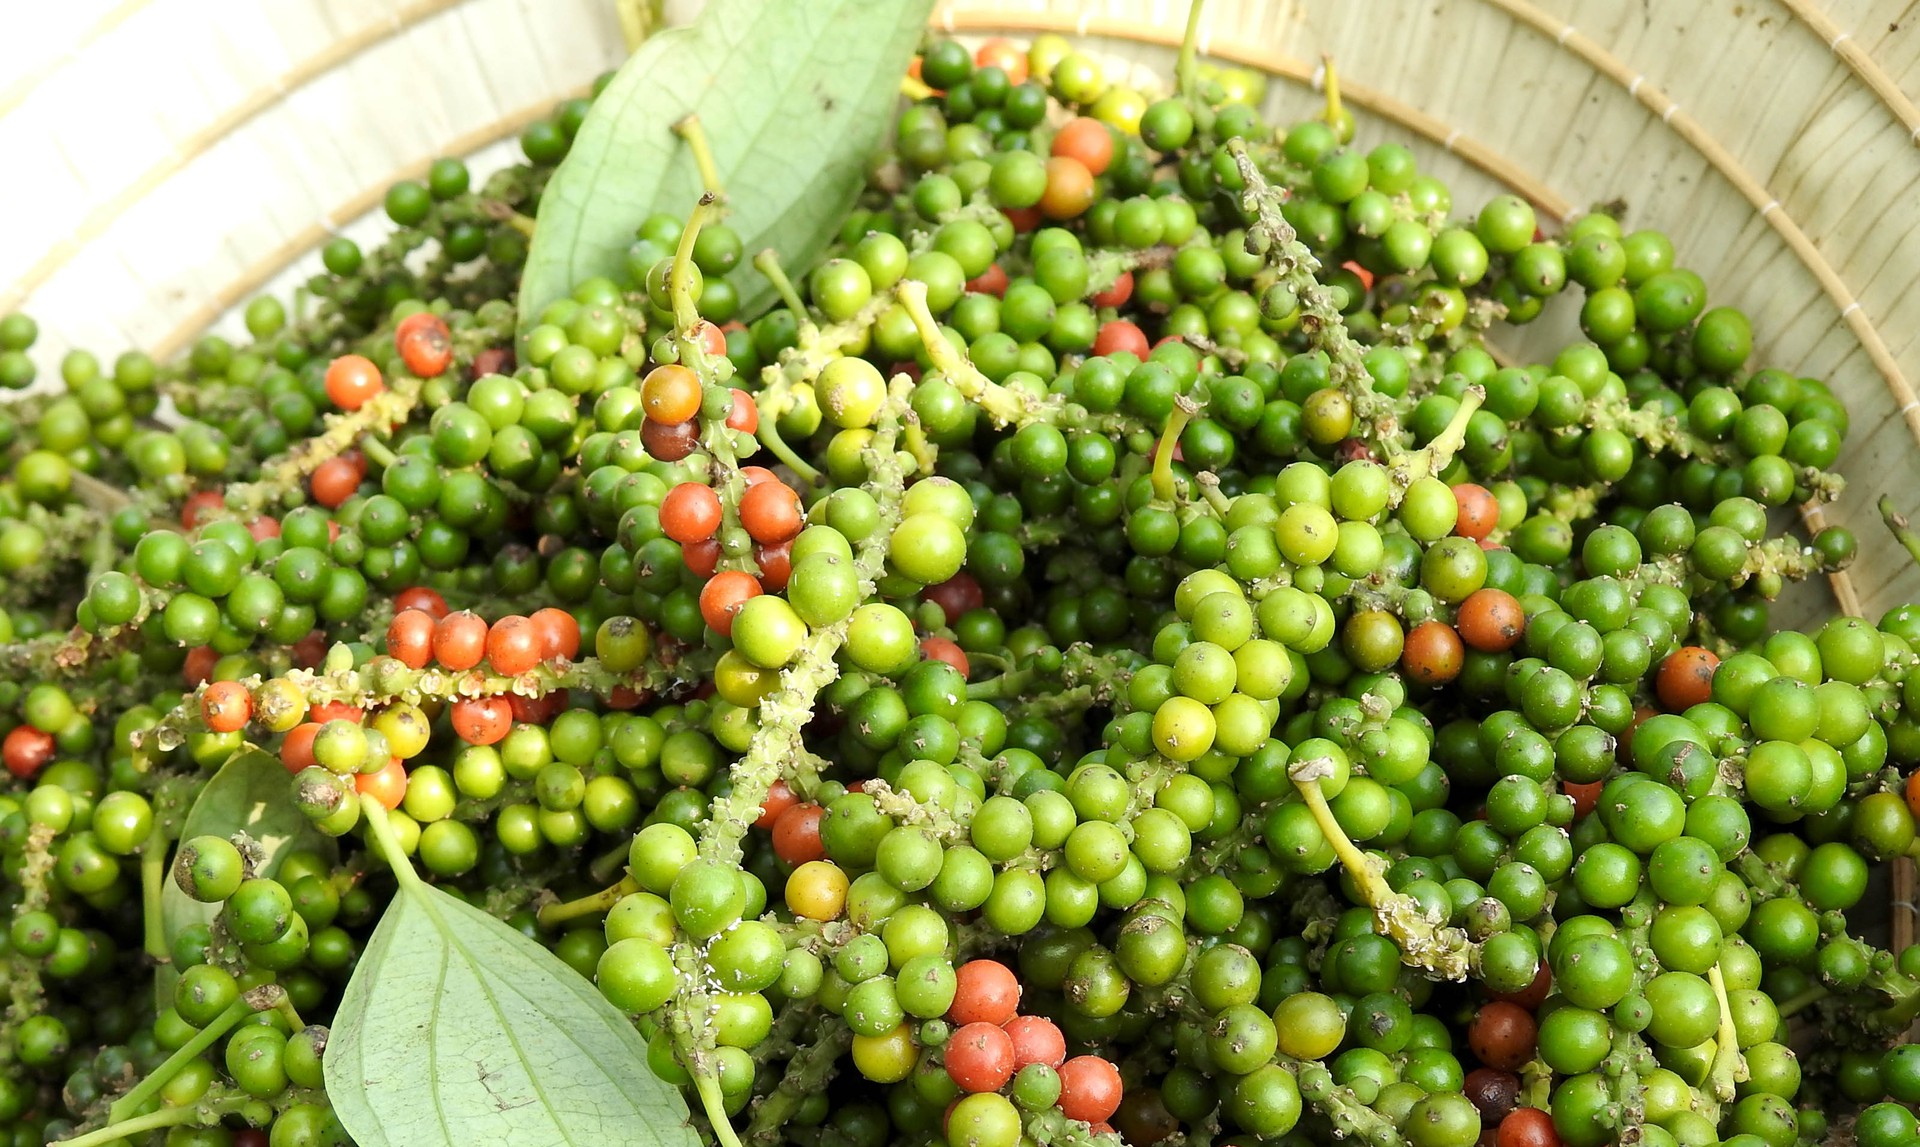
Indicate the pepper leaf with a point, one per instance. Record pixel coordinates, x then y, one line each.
794 97
252 794
457 1030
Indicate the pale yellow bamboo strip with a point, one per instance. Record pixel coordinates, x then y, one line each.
277 260
1842 44
1657 101
18 91
1274 63
1386 106
102 215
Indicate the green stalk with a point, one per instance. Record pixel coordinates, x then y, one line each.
504 213
1187 67
609 862
1342 1108
1630 1053
387 678
1183 410
1004 406
1376 417
1332 86
1427 943
1437 455
1007 685
1806 999
1897 523
203 1039
769 435
153 878
553 915
777 746
924 453
117 1133
686 311
1366 874
1658 431
768 263
377 450
1209 484
714 371
690 130
638 19
290 1013
716 1105
807 1072
23 979
1904 993
385 410
1729 1066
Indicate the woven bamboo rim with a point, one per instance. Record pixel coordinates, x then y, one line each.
18 91
1842 44
102 216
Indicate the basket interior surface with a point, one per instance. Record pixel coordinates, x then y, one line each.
182 150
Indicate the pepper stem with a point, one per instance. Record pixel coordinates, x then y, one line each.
1183 410
768 264
769 435
1795 1003
153 879
1729 1066
1897 522
690 130
156 1079
1186 68
377 450
686 305
715 1103
553 915
1002 405
1433 458
1425 941
1332 88
1373 888
165 1117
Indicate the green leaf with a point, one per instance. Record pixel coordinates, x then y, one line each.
457 1030
251 793
794 98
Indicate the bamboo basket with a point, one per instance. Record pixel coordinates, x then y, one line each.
169 159
172 158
